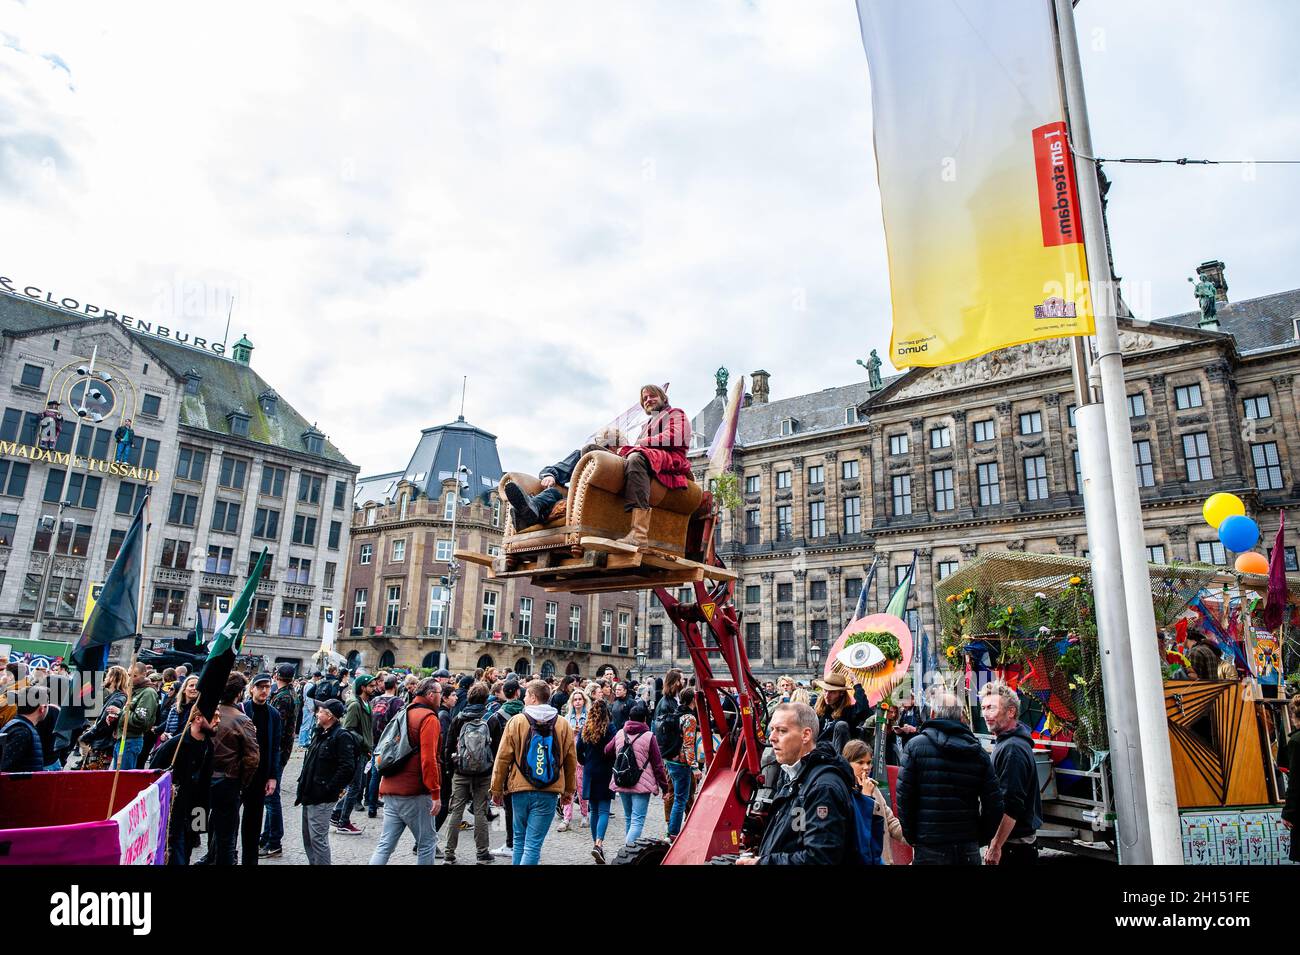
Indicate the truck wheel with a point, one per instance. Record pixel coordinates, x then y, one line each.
723 860
642 852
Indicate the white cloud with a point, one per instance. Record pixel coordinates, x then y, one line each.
561 200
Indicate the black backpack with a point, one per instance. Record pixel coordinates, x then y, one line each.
626 771
668 729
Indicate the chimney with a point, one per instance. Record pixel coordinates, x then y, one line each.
760 382
749 400
1212 272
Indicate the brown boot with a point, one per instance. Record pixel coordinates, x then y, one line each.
639 535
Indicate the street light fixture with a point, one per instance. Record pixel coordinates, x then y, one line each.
453 565
641 659
815 652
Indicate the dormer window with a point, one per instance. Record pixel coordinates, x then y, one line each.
269 402
238 420
787 427
313 440
192 381
850 415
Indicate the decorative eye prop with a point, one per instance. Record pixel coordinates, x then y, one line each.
860 656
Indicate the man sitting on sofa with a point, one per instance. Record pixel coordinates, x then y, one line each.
658 455
531 509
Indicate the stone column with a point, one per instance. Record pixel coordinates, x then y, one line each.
835 598
767 505
799 502
767 618
963 468
1057 445
873 458
1225 428
920 481
801 625
1286 413
1160 414
832 496
1008 460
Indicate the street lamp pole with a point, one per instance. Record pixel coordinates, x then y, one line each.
453 567
88 375
815 652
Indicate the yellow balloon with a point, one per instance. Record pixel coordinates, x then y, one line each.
1219 507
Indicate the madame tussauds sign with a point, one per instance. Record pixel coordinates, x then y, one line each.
94 311
12 449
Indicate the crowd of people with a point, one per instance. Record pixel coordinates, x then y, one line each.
438 755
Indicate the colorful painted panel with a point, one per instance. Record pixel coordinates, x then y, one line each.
1235 837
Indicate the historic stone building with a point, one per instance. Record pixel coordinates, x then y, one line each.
953 462
232 467
403 607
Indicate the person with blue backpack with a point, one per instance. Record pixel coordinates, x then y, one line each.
535 765
813 820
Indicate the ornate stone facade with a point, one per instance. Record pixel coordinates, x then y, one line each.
1010 459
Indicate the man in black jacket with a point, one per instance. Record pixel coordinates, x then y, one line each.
1013 759
531 509
949 802
326 771
812 821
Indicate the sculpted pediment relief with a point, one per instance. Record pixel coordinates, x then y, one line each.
1009 363
111 346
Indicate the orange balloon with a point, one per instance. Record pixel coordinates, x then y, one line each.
1252 562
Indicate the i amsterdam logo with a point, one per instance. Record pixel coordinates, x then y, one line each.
127 321
28 453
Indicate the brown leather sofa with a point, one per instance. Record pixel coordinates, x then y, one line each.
595 508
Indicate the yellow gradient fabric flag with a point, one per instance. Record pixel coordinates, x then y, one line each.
976 177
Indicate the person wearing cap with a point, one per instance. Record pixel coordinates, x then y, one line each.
282 702
327 769
841 717
270 731
360 721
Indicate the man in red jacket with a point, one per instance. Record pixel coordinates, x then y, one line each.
659 454
413 794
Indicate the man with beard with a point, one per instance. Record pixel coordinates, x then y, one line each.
658 455
270 731
812 821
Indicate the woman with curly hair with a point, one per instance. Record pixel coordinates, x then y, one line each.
840 712
597 771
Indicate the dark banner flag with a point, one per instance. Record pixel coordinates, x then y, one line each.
115 616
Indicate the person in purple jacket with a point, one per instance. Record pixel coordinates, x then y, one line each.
645 777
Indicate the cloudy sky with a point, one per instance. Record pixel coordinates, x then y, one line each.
564 200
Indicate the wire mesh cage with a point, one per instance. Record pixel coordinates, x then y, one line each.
1036 613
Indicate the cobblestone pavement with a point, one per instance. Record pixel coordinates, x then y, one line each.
560 848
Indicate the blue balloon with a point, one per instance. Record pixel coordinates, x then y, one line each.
1239 533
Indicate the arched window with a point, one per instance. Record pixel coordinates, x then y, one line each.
387 659
485 661
433 661
521 666
572 670
548 669
353 659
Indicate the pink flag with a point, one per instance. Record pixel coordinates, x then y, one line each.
1275 609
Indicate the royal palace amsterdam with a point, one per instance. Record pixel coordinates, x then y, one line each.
950 463
229 465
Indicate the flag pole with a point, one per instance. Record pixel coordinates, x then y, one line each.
125 717
1148 695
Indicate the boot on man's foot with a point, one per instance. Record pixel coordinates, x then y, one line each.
524 510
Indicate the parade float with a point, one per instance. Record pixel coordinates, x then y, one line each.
1029 619
84 818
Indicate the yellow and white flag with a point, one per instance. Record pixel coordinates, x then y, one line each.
976 177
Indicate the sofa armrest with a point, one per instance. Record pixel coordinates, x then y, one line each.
528 483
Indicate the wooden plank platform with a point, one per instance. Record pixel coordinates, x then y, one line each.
604 566
474 557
